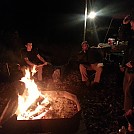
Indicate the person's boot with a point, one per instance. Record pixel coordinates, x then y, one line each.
130 128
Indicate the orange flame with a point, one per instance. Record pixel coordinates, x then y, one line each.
28 98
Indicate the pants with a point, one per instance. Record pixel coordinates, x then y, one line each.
38 69
128 88
84 68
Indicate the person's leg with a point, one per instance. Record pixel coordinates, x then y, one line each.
98 73
40 73
83 72
127 88
23 68
84 75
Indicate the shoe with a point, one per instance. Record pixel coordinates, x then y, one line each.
122 130
130 128
130 118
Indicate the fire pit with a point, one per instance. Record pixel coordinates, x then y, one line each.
62 117
37 111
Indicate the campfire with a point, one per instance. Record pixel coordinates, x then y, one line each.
36 106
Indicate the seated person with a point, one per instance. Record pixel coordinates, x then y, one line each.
90 60
32 58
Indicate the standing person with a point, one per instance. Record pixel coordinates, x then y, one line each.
90 60
126 33
32 58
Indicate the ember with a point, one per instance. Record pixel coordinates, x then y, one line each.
61 108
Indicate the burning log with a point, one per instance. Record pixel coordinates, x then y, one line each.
40 116
37 110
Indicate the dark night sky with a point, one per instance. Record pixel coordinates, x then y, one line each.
57 19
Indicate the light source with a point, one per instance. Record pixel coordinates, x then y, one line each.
85 22
91 15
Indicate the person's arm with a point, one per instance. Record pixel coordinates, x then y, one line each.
28 62
82 58
41 59
125 29
124 34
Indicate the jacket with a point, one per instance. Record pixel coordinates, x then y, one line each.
126 34
91 56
